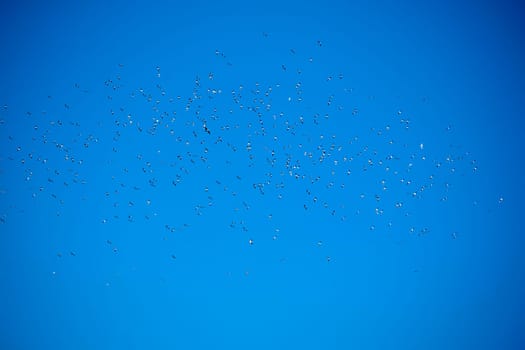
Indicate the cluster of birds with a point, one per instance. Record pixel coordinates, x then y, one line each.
241 151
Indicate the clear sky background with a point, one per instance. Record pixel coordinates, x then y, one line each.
267 175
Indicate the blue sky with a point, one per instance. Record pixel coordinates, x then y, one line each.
270 175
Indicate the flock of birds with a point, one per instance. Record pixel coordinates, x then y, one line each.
234 155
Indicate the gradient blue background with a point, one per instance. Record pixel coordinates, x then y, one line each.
454 68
